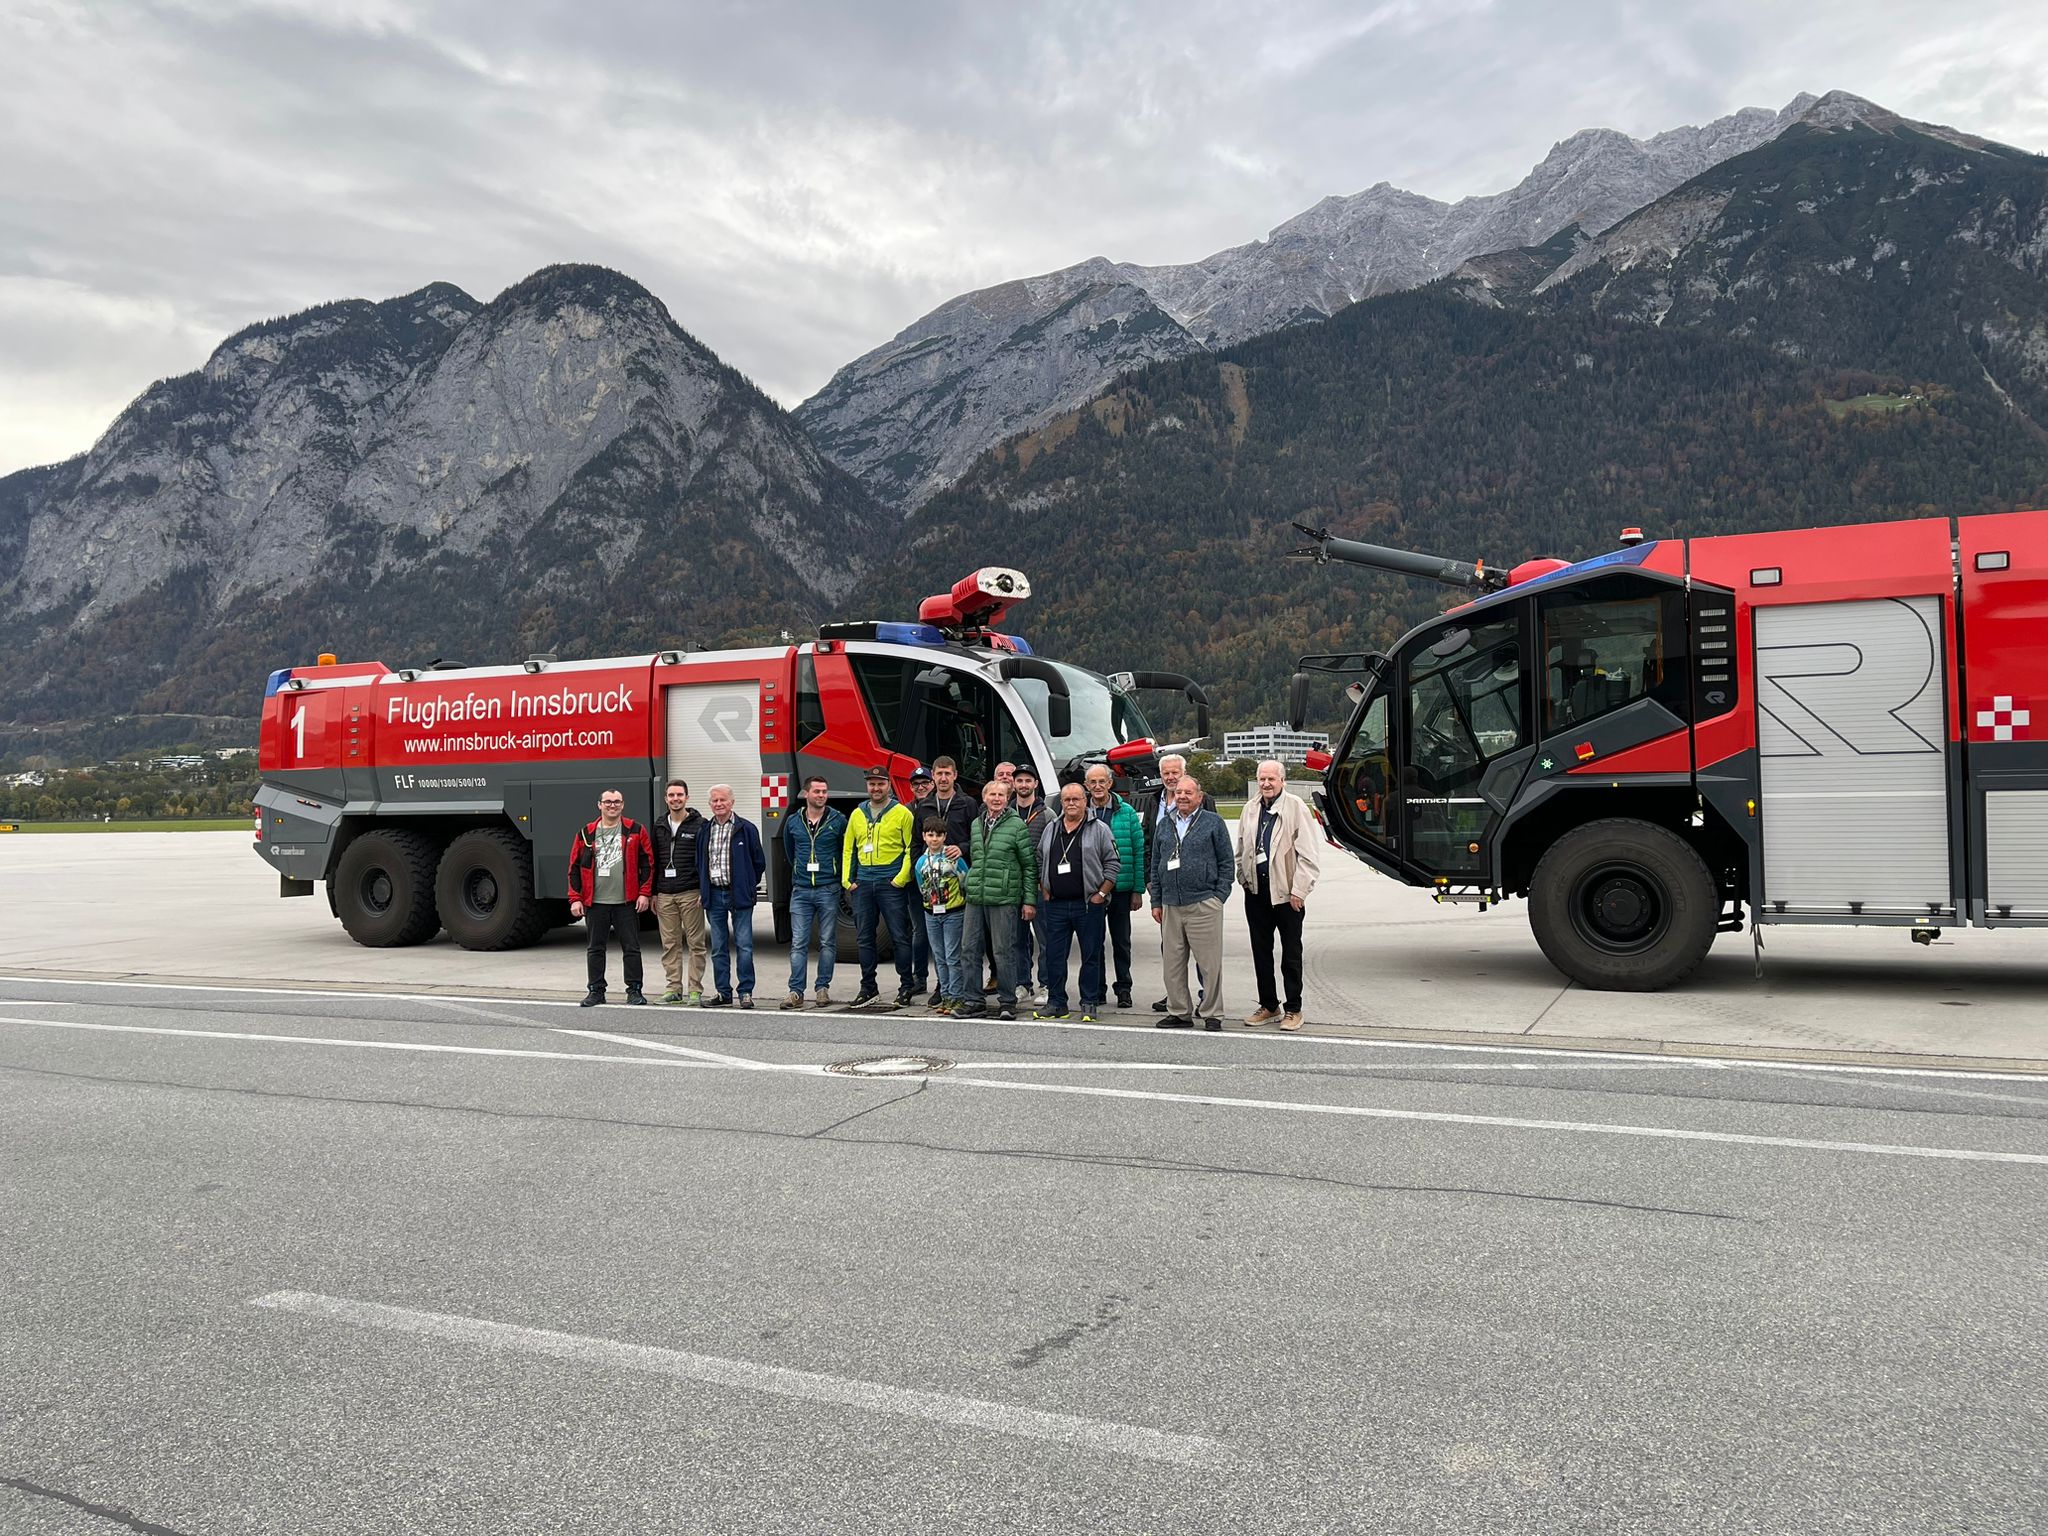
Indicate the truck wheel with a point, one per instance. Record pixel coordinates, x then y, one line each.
485 891
1623 906
383 889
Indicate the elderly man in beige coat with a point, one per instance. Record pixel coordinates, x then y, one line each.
1279 855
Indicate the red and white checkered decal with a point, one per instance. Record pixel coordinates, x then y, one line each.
774 791
2002 720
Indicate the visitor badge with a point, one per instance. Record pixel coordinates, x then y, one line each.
868 849
809 869
668 874
1066 867
1262 855
1174 862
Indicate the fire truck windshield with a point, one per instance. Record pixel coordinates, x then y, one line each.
1102 717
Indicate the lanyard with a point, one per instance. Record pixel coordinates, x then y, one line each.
1073 838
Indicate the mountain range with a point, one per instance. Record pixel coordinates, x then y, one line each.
1848 319
427 474
910 416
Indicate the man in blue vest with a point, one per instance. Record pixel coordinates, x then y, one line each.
729 865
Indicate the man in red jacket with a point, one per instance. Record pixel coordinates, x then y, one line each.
611 873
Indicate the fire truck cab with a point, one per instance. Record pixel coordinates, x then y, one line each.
448 797
1826 725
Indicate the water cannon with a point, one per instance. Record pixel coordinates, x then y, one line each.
977 601
1326 547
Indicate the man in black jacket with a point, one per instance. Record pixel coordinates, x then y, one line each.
678 907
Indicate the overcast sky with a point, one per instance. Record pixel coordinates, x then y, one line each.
800 181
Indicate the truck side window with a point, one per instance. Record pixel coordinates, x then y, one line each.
1602 652
810 708
1465 708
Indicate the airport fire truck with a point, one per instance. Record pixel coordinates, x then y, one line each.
447 797
1827 725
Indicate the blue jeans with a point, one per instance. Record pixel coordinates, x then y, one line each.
920 943
891 903
942 931
813 909
1025 933
1064 921
732 929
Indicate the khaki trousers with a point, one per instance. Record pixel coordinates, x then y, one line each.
681 916
1193 933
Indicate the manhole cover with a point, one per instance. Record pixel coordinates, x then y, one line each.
891 1066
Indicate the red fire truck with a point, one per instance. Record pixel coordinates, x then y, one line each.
447 797
1826 725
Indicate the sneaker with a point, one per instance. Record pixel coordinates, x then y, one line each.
1049 1017
938 996
943 1007
720 1001
746 1000
905 997
1008 1014
696 999
1174 1021
1087 1014
1213 1024
636 997
1123 999
1265 1015
970 1010
673 996
823 999
865 996
592 1000
794 1000
1160 1006
1290 1021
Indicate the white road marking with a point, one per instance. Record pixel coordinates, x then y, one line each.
742 1062
1346 1043
366 1045
1583 1127
778 1381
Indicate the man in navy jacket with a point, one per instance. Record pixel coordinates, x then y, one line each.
729 866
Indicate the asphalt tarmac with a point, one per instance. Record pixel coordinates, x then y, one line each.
303 1261
1381 960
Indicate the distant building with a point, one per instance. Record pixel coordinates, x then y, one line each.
181 760
1274 741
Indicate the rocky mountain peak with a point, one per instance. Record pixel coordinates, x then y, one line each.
909 416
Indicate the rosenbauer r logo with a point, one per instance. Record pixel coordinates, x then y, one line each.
728 717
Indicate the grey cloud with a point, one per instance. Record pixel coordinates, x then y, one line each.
800 181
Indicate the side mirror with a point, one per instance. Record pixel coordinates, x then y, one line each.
1059 704
1059 714
1297 701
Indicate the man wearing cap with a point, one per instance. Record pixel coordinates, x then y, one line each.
949 804
880 851
921 810
1035 811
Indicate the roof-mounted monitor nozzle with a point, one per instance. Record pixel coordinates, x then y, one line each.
977 601
1402 562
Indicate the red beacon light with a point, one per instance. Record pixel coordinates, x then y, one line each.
1529 570
976 601
1630 537
1318 760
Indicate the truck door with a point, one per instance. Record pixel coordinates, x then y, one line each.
1466 738
1852 736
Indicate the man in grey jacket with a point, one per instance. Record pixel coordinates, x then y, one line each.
1191 875
1077 870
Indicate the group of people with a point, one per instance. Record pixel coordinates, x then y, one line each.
1012 883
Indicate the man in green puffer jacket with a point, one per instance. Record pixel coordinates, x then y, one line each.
1001 887
1128 828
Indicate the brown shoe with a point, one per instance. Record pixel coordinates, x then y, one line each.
794 1000
1290 1021
824 997
1263 1016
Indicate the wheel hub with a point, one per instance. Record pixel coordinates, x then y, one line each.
1621 908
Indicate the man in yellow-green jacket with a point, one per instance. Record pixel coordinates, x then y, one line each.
881 846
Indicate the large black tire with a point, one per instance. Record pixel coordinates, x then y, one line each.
383 889
1624 906
485 891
